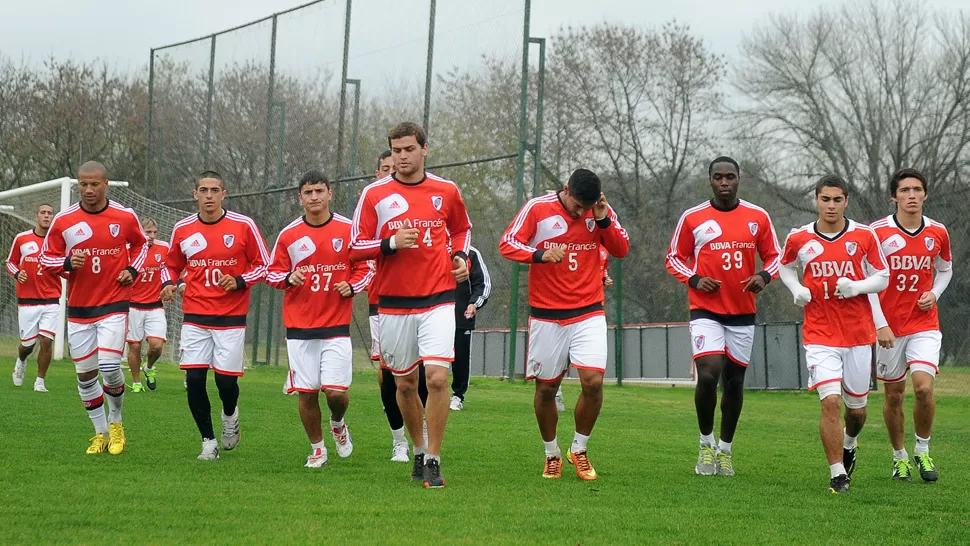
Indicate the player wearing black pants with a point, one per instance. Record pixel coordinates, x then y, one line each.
470 296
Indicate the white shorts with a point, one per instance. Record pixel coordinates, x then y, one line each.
93 342
222 350
840 370
553 345
37 320
375 340
407 340
146 323
319 364
920 352
709 337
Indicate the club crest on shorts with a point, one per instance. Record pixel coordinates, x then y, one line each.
930 243
883 367
534 366
337 244
436 201
229 239
811 374
699 342
753 228
114 229
590 224
851 247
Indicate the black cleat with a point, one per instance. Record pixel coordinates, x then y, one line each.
927 468
417 471
902 470
848 460
432 475
839 484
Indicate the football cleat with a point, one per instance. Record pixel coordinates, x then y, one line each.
706 461
343 441
116 438
584 470
553 468
151 378
725 464
40 385
417 471
848 460
455 404
926 466
210 450
432 475
839 484
138 387
316 459
902 470
99 444
19 369
230 430
399 452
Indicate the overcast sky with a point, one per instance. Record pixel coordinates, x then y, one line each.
122 32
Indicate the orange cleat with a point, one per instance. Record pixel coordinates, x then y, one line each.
584 470
553 469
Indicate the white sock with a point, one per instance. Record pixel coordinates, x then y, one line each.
922 446
552 448
92 394
418 450
836 469
429 457
848 442
136 383
708 440
900 454
337 424
319 445
724 447
398 435
579 443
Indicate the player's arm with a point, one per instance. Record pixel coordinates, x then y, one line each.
13 260
256 256
682 249
172 268
361 274
612 235
884 334
364 241
137 247
53 255
943 266
460 228
514 244
876 269
481 283
279 270
788 272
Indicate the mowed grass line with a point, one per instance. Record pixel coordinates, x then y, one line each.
644 448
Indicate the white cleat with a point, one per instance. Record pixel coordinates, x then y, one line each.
343 441
399 452
230 430
18 373
456 404
317 459
560 405
210 450
39 385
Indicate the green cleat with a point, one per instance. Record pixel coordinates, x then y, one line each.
927 468
137 387
902 470
150 374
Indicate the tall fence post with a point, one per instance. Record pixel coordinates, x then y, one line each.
618 332
429 68
540 94
208 102
343 90
354 130
269 101
151 106
519 190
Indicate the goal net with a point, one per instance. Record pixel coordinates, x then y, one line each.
18 208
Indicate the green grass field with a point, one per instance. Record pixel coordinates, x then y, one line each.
644 449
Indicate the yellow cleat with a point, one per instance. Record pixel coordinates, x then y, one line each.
98 444
116 439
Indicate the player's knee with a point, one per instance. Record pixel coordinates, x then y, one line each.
923 391
592 384
195 377
546 391
46 344
224 381
84 377
437 382
708 372
134 347
155 346
112 375
832 405
894 397
857 414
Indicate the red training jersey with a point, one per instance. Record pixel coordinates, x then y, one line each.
722 244
111 240
572 289
418 278
41 288
146 292
830 320
912 258
206 252
316 310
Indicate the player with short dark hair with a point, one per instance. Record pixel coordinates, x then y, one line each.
906 317
222 255
416 226
37 298
713 252
146 318
560 235
841 262
102 247
311 263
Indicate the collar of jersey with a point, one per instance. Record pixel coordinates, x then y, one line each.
394 176
837 235
719 209
199 216
922 224
107 203
37 234
307 222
